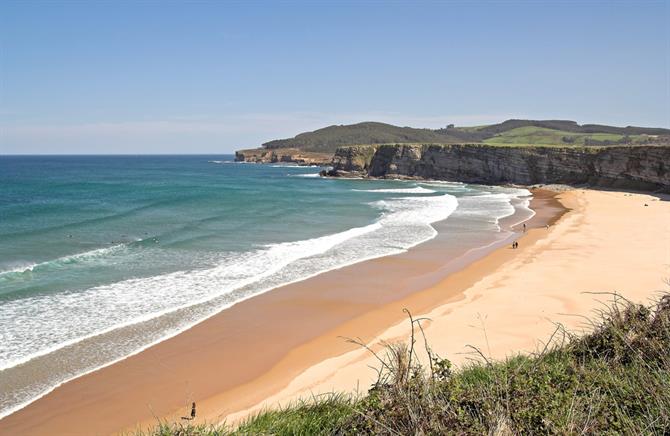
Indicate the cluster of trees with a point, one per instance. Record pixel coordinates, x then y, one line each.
624 140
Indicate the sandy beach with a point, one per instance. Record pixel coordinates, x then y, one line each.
287 343
607 242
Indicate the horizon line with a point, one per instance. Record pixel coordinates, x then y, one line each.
114 154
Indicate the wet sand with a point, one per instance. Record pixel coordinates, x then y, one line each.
258 348
508 302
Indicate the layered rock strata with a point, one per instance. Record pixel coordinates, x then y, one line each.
626 167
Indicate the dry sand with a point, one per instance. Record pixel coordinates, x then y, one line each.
287 343
608 242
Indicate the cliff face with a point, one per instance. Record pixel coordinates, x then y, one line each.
635 167
300 157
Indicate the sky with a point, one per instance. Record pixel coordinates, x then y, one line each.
215 76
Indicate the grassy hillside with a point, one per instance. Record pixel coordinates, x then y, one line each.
540 132
615 380
329 138
544 136
487 132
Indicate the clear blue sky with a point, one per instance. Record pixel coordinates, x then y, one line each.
186 77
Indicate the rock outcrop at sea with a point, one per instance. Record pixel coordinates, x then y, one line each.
622 167
283 155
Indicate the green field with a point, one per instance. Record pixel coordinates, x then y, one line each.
510 132
542 136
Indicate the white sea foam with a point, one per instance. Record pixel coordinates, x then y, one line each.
44 324
415 190
491 207
136 300
76 315
19 267
305 175
443 183
66 260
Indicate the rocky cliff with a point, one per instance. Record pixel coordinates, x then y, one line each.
626 167
300 157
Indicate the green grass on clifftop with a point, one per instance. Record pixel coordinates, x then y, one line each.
615 380
534 132
543 136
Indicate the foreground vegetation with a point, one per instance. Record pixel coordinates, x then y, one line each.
615 380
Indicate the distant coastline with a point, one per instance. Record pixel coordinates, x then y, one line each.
524 152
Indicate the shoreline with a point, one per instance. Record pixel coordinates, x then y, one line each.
505 312
372 327
364 306
93 337
585 250
183 329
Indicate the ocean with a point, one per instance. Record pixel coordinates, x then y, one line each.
103 256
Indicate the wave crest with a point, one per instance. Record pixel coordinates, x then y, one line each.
415 190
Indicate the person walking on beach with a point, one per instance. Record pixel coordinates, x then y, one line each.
524 227
192 417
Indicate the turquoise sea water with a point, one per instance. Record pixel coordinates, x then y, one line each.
102 256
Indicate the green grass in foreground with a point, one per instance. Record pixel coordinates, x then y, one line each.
615 380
